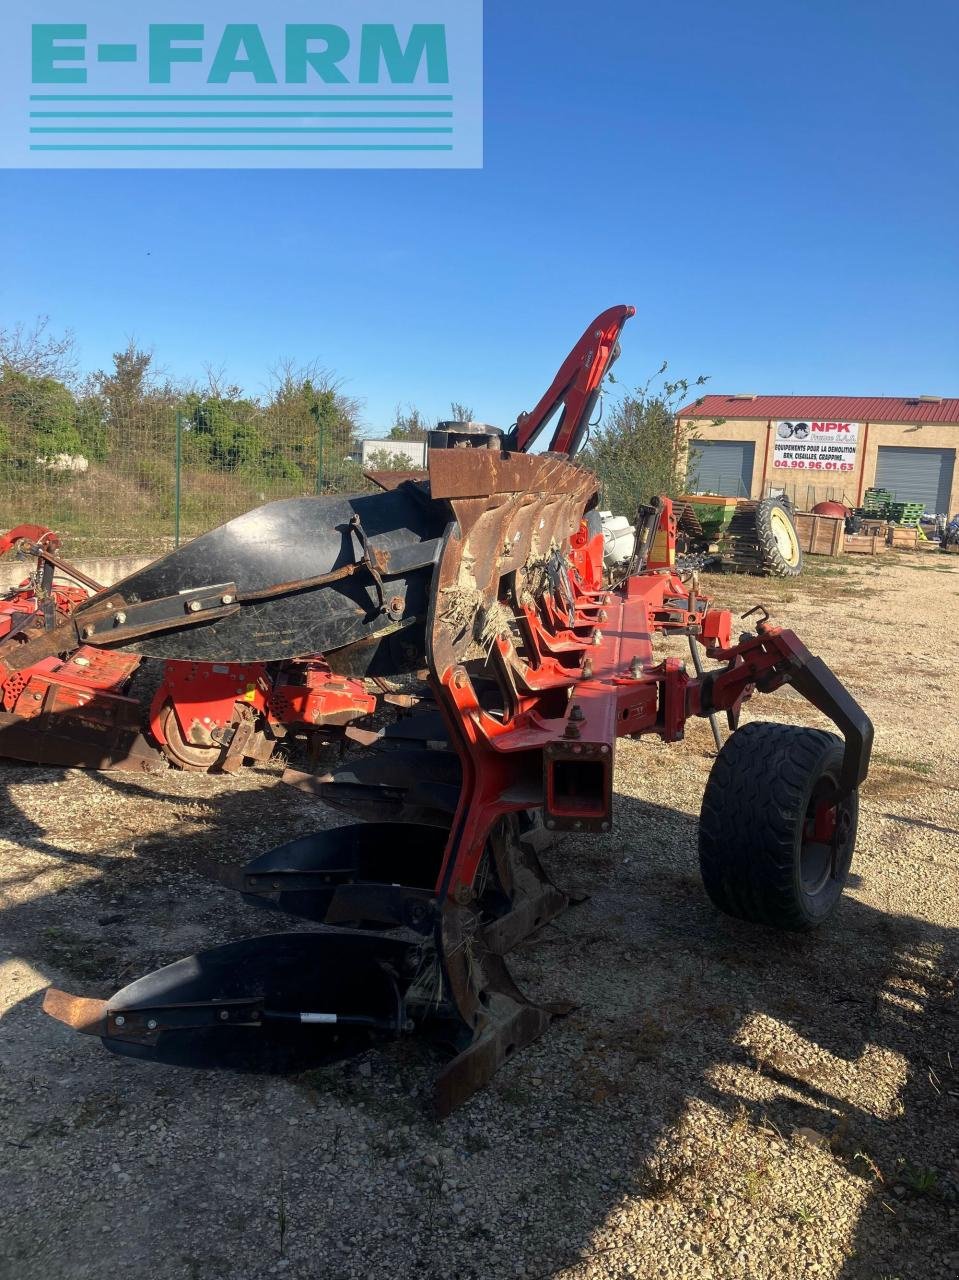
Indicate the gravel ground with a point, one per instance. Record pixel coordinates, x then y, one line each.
725 1101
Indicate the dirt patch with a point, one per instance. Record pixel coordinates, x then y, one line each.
724 1101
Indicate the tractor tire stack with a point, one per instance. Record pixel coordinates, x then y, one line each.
741 544
751 544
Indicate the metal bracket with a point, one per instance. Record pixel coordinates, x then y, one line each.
117 620
394 608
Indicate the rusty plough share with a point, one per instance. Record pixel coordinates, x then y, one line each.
487 572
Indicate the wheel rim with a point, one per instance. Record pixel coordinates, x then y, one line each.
181 752
827 832
784 533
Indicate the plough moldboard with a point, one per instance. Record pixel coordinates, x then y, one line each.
485 573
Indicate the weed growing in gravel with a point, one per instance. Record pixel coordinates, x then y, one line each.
903 762
863 1164
756 1181
919 1179
824 567
680 1162
664 1172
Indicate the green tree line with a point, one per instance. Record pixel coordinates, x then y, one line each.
108 440
128 414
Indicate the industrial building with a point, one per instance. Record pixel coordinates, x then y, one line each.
819 447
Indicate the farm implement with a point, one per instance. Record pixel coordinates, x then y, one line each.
486 571
75 707
741 536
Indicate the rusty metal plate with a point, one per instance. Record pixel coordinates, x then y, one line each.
388 480
79 1012
477 473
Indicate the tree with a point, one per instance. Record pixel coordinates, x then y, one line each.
411 425
127 385
223 433
640 450
35 351
136 404
39 418
310 423
460 413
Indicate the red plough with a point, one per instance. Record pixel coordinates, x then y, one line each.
484 572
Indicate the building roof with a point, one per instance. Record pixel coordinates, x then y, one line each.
826 408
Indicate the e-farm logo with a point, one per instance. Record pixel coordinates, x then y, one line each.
209 83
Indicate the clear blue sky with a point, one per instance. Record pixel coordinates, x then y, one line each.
773 185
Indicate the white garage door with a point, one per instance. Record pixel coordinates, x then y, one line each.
721 466
917 475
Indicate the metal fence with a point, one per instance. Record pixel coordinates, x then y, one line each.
167 473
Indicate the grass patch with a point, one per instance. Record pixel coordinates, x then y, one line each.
80 956
904 762
920 1179
823 567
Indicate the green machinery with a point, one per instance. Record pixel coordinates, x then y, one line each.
740 535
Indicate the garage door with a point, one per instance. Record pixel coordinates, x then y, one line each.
721 466
917 475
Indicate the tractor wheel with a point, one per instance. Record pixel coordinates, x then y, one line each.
778 540
185 755
774 843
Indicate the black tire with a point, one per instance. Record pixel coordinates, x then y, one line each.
759 853
781 555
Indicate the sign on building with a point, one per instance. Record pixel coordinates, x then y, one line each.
816 446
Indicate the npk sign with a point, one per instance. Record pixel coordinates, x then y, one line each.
345 83
816 446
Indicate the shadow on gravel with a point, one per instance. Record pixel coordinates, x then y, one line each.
678 1007
921 822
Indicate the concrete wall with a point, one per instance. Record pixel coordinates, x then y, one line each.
413 451
105 570
807 488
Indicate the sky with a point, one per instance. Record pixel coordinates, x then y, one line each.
773 185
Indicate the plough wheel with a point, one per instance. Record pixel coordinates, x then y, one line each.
774 843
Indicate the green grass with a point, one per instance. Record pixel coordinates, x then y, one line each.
823 567
919 1179
903 762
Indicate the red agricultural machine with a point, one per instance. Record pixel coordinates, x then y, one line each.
485 572
76 708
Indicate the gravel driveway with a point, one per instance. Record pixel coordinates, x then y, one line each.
725 1101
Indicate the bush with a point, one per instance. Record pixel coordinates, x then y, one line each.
640 451
40 415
